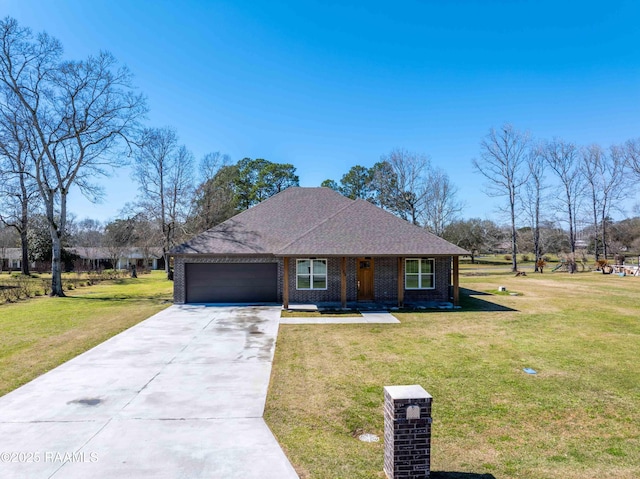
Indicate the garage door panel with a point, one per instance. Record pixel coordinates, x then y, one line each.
231 282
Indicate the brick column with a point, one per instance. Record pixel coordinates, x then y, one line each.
407 432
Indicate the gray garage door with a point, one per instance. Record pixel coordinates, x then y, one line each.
231 283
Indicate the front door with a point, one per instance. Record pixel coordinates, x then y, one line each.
365 279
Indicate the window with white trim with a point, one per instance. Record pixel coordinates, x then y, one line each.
311 274
419 273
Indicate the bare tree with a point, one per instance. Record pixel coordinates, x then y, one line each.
75 116
214 200
631 152
148 238
475 235
163 170
409 188
119 236
533 199
604 178
442 205
211 163
18 190
503 162
592 170
563 159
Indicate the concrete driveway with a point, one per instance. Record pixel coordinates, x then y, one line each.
180 395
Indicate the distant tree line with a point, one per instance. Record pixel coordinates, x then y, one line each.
555 182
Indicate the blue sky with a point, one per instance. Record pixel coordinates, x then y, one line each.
328 85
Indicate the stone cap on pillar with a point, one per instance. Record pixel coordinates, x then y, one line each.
414 391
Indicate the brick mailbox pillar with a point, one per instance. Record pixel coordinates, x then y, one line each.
407 432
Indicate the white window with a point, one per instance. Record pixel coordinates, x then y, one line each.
419 273
311 274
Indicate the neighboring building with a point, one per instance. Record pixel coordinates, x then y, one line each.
10 259
101 257
313 245
93 258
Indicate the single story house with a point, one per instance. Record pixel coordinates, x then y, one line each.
313 245
11 259
119 258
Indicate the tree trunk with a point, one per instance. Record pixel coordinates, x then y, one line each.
572 232
595 232
56 230
24 225
56 265
536 249
514 233
25 252
604 235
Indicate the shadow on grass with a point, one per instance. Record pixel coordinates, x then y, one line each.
473 292
459 475
469 302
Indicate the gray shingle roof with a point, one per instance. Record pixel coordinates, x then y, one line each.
317 221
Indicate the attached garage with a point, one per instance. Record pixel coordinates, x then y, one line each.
231 282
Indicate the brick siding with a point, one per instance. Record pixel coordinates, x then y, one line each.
407 442
441 292
385 279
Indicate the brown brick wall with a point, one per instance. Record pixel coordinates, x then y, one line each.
441 292
332 293
385 279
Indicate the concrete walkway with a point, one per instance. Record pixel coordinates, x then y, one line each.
179 395
366 317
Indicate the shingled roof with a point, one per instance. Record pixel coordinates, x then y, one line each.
316 222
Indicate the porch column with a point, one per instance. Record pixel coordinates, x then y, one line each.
400 282
456 280
285 285
343 282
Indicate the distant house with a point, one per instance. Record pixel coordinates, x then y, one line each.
121 258
10 259
93 258
313 245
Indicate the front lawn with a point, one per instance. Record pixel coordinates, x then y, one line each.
41 333
577 417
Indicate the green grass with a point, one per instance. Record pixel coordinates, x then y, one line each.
41 333
578 417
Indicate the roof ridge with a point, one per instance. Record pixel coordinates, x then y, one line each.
348 205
